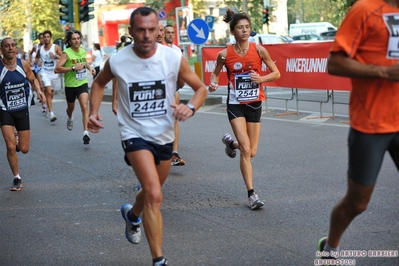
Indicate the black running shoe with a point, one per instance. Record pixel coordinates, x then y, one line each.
16 185
86 139
163 262
329 260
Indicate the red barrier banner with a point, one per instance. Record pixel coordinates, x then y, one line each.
302 66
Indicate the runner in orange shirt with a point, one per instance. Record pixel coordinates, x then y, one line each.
365 49
243 61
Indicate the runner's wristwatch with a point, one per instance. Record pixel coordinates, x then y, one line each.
189 105
73 67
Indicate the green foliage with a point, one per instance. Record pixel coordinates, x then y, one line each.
39 12
159 5
200 8
155 4
332 11
255 11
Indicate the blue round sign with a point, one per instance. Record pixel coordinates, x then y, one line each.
161 14
198 31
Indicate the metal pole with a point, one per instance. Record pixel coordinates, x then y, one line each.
76 16
185 48
266 3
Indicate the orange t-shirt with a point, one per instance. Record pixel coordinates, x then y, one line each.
237 67
368 35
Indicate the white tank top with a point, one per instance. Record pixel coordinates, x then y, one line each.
48 63
146 89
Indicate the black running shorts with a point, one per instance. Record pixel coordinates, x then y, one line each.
19 119
71 94
366 154
251 112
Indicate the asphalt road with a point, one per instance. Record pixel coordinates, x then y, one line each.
68 210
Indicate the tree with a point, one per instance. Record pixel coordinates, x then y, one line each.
200 8
38 13
255 9
332 11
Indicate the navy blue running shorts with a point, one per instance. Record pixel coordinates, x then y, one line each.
366 154
160 152
252 112
19 119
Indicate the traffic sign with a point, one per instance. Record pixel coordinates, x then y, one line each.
161 14
198 31
164 22
210 20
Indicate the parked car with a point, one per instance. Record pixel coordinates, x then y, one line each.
261 38
307 37
287 38
328 35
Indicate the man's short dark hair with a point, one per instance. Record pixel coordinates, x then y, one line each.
47 32
144 11
5 38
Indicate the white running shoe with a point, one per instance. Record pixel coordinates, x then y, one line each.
70 124
228 150
52 117
254 202
132 230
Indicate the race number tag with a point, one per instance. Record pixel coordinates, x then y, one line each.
16 99
147 99
48 65
81 74
392 22
246 90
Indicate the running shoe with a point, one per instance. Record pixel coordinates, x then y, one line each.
228 150
86 138
163 262
44 109
176 160
16 185
132 230
254 202
52 117
320 248
70 124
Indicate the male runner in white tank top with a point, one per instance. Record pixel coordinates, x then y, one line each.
49 54
147 74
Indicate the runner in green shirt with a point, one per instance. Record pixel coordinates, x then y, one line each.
73 63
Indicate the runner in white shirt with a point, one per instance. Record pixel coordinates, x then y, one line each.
169 33
97 57
146 114
49 54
